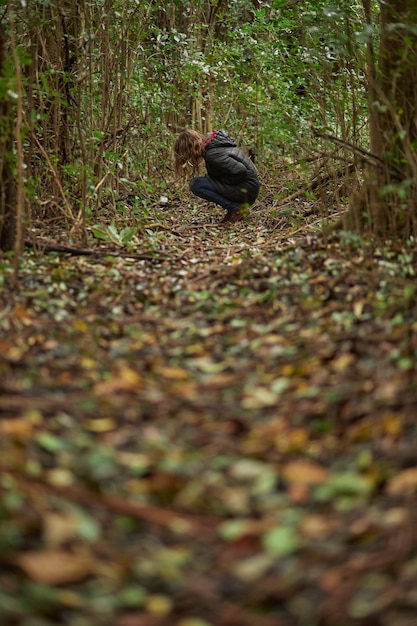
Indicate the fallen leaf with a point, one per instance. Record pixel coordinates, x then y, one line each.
55 567
403 483
101 425
342 362
58 528
281 541
173 373
259 397
125 380
316 526
305 473
159 605
20 428
252 568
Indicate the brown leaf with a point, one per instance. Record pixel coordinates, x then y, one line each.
342 362
403 483
55 567
124 380
58 528
305 473
19 428
316 526
173 373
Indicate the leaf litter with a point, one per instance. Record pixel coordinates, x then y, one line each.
217 430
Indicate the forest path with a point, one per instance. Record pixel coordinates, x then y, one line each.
219 433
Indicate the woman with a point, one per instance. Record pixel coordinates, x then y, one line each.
231 180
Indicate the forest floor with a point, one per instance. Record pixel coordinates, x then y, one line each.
214 426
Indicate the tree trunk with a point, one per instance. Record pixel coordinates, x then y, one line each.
386 204
7 181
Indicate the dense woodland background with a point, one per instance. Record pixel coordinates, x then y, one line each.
205 425
93 94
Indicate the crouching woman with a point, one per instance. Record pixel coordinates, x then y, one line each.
231 180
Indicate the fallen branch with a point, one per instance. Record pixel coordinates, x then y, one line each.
178 522
52 246
367 157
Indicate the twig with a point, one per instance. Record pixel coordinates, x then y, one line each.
68 212
118 504
43 246
368 157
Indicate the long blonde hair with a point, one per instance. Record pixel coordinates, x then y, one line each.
188 152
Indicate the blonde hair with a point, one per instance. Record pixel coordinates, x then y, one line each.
188 152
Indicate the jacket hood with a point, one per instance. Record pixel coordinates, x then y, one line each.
219 139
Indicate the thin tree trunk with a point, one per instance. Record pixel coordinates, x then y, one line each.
376 147
7 181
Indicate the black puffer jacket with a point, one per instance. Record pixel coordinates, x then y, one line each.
230 171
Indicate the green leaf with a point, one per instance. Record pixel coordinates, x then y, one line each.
233 529
100 232
127 234
347 484
281 541
50 442
133 596
113 232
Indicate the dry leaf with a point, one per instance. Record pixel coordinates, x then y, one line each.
102 425
342 362
259 397
316 526
159 605
59 528
125 380
173 373
403 483
55 567
305 473
20 428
